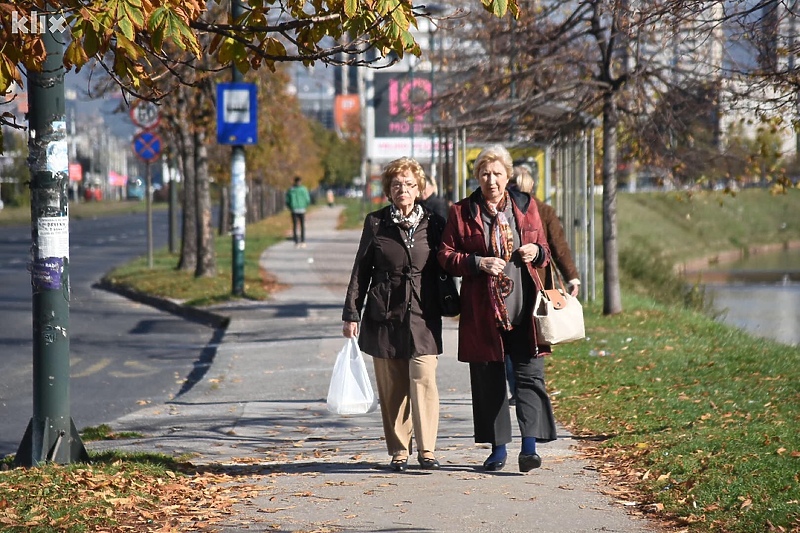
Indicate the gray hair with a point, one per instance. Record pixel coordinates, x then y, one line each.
526 181
490 154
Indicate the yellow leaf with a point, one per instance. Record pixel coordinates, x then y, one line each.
746 504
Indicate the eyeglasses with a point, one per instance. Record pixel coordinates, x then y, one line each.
397 186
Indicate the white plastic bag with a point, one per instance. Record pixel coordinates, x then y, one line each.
350 391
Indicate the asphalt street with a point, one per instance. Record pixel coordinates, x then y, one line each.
123 355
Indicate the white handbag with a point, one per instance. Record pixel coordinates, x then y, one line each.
557 314
350 391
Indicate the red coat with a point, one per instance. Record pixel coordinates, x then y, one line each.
479 338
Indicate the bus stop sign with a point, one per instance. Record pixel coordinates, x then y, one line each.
236 113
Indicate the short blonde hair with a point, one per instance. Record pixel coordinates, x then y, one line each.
399 166
525 182
490 154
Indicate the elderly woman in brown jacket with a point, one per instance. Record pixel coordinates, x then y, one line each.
523 181
554 231
395 272
494 239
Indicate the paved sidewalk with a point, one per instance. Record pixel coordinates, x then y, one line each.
260 409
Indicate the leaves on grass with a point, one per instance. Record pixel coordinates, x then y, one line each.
116 498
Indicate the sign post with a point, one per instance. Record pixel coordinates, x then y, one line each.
237 105
147 146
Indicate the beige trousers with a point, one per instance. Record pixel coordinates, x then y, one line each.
409 402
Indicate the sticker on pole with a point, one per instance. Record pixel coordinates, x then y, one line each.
147 145
145 114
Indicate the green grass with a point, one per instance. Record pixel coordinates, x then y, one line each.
104 432
355 209
682 227
695 415
164 280
22 215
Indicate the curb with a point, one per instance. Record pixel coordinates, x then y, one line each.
194 314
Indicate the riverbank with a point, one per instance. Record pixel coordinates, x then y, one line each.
694 266
707 227
663 237
717 269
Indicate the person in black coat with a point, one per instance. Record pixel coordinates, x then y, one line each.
394 282
432 200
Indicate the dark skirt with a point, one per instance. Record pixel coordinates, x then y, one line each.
490 409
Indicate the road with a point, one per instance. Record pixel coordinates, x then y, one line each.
123 355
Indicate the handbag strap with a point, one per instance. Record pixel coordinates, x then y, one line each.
555 296
556 273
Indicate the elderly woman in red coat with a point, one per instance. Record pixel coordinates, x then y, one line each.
494 239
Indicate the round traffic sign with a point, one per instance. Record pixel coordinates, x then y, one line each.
147 145
144 114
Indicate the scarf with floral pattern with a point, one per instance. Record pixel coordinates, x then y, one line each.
501 240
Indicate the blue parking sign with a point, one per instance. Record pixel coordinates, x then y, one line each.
147 145
236 113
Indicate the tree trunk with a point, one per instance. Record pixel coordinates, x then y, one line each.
224 212
188 261
612 299
206 256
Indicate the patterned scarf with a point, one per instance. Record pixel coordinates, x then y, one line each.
410 222
501 240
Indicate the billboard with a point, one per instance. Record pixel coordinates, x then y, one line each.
347 115
402 105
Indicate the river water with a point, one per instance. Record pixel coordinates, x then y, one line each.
762 295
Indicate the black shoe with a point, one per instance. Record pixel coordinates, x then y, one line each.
493 466
428 463
399 464
529 462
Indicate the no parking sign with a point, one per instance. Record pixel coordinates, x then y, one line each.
147 145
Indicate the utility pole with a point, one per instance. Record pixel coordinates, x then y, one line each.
238 190
431 112
51 434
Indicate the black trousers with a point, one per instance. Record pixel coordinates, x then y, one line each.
490 410
299 219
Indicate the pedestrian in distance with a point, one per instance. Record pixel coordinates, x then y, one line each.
394 282
297 201
431 199
494 239
560 253
330 197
